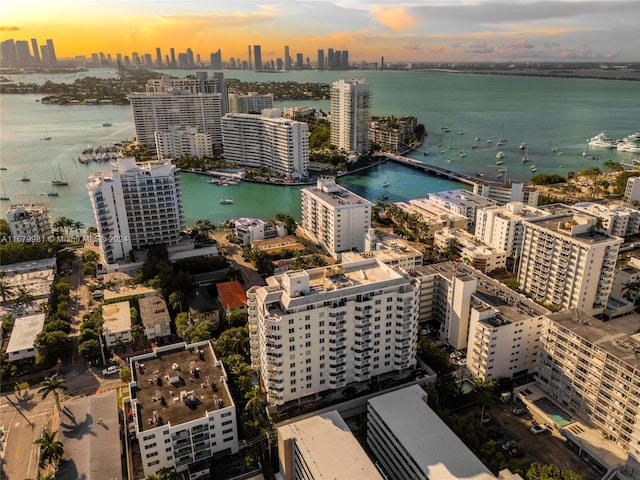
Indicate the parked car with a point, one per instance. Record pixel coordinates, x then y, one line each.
519 411
516 451
112 370
508 445
536 429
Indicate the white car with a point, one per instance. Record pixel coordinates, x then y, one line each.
112 370
536 429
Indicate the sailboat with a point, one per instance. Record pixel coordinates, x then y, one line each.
4 196
59 182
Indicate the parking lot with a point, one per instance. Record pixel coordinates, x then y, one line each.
546 447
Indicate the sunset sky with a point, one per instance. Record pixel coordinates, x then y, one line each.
409 30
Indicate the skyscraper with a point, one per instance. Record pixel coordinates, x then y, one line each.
337 60
216 60
158 56
52 52
24 56
249 51
350 114
136 206
299 61
36 51
173 58
287 58
330 64
320 65
257 57
345 60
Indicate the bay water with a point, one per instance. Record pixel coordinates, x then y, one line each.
553 116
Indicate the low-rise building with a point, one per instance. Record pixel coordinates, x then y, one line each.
29 223
462 202
322 446
117 324
433 215
155 317
410 441
250 103
250 229
626 276
232 297
182 409
389 249
503 194
470 250
23 336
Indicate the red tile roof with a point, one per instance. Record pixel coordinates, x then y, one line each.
231 295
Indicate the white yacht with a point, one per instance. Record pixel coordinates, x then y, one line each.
500 155
601 141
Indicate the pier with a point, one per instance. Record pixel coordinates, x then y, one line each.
438 171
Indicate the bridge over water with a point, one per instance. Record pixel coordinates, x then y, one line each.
437 171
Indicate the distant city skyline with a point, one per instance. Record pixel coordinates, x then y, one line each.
414 31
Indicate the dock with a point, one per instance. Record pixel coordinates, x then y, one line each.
438 171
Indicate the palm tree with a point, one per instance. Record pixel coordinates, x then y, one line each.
23 295
52 385
254 401
51 450
7 290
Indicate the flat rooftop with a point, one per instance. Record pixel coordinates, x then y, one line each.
117 317
337 196
463 197
87 425
180 383
24 333
329 448
562 224
153 311
495 294
426 438
617 336
121 291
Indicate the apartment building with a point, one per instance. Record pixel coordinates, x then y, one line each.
322 446
194 84
632 192
23 337
410 442
465 303
565 261
502 226
298 113
462 202
324 328
350 106
389 249
182 409
591 367
503 194
392 136
626 274
159 112
267 141
615 220
469 249
180 139
29 223
334 217
155 317
116 326
249 230
433 215
136 205
251 102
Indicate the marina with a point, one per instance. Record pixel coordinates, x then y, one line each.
473 104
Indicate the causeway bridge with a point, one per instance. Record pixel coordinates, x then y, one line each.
437 171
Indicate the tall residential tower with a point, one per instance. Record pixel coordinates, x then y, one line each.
350 115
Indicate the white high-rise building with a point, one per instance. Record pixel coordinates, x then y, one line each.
334 217
267 140
565 261
324 328
198 83
159 112
350 115
616 220
632 192
180 139
503 194
182 408
502 227
135 206
29 223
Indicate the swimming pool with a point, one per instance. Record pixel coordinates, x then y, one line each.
465 386
555 413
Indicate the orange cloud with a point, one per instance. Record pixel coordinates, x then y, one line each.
395 18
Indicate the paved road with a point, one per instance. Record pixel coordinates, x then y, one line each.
23 417
233 253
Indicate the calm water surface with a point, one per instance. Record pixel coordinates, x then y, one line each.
554 117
